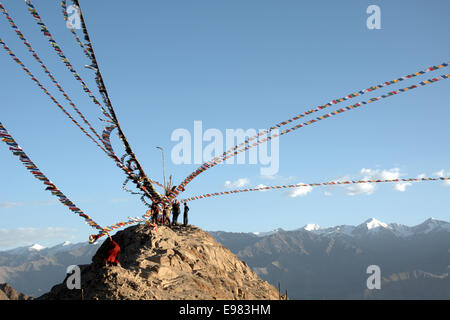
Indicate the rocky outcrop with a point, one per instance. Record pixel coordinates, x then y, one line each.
172 263
8 293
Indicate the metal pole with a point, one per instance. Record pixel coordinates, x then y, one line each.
279 290
164 174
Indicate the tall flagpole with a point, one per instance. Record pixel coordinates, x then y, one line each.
164 174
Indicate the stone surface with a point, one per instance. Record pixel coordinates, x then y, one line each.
8 293
172 263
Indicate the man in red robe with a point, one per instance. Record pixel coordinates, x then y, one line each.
113 253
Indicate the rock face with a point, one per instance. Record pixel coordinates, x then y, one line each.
172 263
8 293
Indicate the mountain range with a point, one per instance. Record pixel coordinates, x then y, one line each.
331 263
310 262
35 269
370 227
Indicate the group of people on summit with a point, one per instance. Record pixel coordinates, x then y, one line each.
160 213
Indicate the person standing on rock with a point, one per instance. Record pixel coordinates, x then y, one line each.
175 211
166 214
160 215
185 215
154 213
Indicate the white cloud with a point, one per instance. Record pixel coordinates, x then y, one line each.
421 176
7 205
361 188
440 173
401 186
262 186
330 188
299 192
390 174
10 238
239 183
377 174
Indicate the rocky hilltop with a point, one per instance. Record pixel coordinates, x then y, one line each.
171 263
8 293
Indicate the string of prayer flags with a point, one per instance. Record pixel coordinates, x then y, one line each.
49 186
60 53
300 185
208 165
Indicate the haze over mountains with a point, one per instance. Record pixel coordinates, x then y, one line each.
370 226
331 263
311 262
34 270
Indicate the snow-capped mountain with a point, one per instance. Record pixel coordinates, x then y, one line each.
36 247
331 263
39 249
304 259
267 233
65 246
374 224
431 225
26 249
371 227
311 227
35 269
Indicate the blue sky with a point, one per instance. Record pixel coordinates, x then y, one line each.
230 64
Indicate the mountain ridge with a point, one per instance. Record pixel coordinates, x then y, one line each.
312 227
331 263
371 225
8 293
288 256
